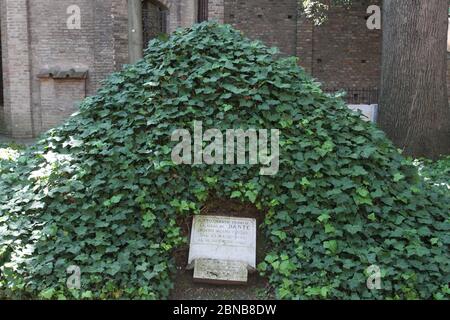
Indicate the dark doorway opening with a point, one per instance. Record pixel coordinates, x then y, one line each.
202 10
155 20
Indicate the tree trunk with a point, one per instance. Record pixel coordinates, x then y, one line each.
414 108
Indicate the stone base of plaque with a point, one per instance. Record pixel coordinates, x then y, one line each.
220 272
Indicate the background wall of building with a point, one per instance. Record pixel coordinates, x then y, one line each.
54 46
345 53
273 22
342 53
2 110
119 16
38 43
216 10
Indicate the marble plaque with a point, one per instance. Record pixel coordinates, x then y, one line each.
369 112
224 239
220 271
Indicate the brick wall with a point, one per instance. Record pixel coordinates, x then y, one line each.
2 120
102 45
273 22
59 99
345 53
35 37
342 53
304 50
216 10
16 68
5 120
120 33
53 44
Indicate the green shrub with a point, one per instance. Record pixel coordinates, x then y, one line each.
436 173
101 192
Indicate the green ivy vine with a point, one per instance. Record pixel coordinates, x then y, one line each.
101 192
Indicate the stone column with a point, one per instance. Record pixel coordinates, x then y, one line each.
135 31
188 13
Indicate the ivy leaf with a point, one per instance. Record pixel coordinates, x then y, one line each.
81 230
47 294
289 185
362 192
148 220
331 246
87 295
113 269
353 228
329 228
236 194
280 234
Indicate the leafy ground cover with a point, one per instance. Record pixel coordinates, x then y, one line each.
101 192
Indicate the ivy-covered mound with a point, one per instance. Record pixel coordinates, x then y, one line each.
101 192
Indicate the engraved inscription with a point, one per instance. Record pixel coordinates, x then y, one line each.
221 231
223 238
220 270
